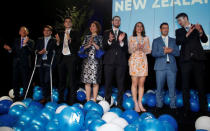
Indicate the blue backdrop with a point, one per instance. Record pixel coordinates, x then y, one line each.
153 12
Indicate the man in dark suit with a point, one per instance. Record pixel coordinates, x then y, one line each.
68 45
21 50
115 59
192 58
45 47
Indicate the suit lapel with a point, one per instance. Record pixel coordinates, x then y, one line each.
162 42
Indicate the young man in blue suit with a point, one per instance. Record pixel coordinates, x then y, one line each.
164 49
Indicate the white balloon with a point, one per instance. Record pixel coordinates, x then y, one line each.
109 116
11 94
120 122
18 103
5 98
110 127
128 94
60 108
105 105
203 122
81 89
150 91
112 101
99 98
4 128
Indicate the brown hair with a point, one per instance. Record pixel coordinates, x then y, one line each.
49 27
142 33
98 26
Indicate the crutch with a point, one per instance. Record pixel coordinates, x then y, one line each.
31 75
51 86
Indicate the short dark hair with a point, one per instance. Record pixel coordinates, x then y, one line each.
182 15
98 26
116 17
49 27
142 33
67 17
164 23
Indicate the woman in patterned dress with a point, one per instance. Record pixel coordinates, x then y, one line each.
91 68
138 67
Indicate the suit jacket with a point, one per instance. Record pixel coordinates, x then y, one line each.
161 58
51 46
191 47
114 53
74 44
22 56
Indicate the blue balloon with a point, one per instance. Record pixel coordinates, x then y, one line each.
38 123
167 99
52 126
97 107
38 95
194 105
88 105
55 96
116 110
46 114
131 127
151 100
81 96
88 121
94 126
115 90
114 96
101 91
144 99
130 116
92 113
152 125
25 119
21 92
169 119
7 120
179 100
5 106
208 104
128 103
51 106
35 107
36 88
137 122
80 106
27 101
17 110
146 115
71 118
167 126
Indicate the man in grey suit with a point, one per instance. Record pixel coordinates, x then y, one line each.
164 49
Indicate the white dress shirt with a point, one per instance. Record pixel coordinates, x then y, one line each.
165 39
46 40
66 50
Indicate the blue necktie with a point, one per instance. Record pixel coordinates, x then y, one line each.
21 43
44 56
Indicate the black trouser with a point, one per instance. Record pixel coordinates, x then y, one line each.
44 76
119 72
20 75
195 69
67 77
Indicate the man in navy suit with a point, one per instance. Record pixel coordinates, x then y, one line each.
22 50
45 47
164 49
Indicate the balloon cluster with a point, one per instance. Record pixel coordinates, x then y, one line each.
30 115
